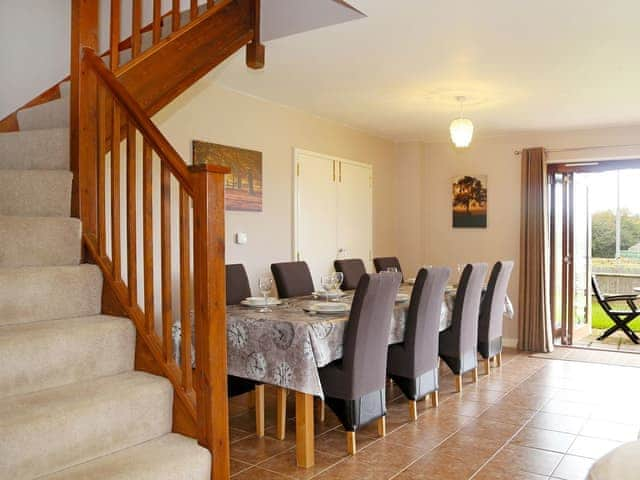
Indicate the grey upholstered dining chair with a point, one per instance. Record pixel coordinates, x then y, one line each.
352 269
293 279
491 314
354 386
383 263
238 289
413 364
459 343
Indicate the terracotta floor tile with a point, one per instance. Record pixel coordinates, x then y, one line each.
463 406
544 439
352 468
335 442
527 459
285 464
592 447
254 450
573 468
258 473
490 430
558 423
237 466
422 437
524 400
495 471
438 466
387 453
236 434
508 414
610 431
467 449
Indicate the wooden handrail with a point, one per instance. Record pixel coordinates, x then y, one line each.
112 106
153 135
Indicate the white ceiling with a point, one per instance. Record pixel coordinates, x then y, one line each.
524 65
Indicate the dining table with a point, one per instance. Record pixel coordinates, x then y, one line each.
286 346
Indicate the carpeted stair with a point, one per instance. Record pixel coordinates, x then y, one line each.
71 405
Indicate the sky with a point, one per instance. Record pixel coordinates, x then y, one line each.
603 188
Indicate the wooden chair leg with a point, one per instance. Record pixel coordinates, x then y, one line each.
382 426
259 404
322 411
351 443
435 399
487 363
475 375
251 399
281 412
458 383
499 359
413 410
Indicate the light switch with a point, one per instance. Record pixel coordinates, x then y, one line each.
241 238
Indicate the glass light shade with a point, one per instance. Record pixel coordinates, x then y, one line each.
461 130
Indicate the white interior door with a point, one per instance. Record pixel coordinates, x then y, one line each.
315 212
355 211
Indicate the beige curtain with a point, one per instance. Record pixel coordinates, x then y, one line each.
535 332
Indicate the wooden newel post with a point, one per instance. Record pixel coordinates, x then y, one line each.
210 315
83 141
255 49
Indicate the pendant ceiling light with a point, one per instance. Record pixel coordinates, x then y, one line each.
461 129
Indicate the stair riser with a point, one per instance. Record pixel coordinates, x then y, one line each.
35 193
54 114
35 150
39 241
35 294
55 429
44 355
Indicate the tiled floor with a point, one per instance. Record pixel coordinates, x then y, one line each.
532 419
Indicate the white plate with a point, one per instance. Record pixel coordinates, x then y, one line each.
333 294
402 297
328 307
259 301
410 281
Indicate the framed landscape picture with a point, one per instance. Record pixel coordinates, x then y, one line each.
243 186
469 201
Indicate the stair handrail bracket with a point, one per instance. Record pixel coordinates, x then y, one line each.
121 161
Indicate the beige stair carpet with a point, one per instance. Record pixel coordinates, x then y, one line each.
71 405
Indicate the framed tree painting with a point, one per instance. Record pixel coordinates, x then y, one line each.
243 186
469 201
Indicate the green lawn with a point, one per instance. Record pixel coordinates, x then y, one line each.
600 320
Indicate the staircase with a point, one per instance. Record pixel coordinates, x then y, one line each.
71 404
92 383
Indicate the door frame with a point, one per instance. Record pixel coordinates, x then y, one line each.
567 169
296 198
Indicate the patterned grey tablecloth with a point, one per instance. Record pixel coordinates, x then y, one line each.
287 346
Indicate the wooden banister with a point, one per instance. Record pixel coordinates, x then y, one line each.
111 106
201 391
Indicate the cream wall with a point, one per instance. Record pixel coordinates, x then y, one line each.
211 113
425 171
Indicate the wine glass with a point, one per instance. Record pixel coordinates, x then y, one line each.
460 269
265 283
327 284
338 278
